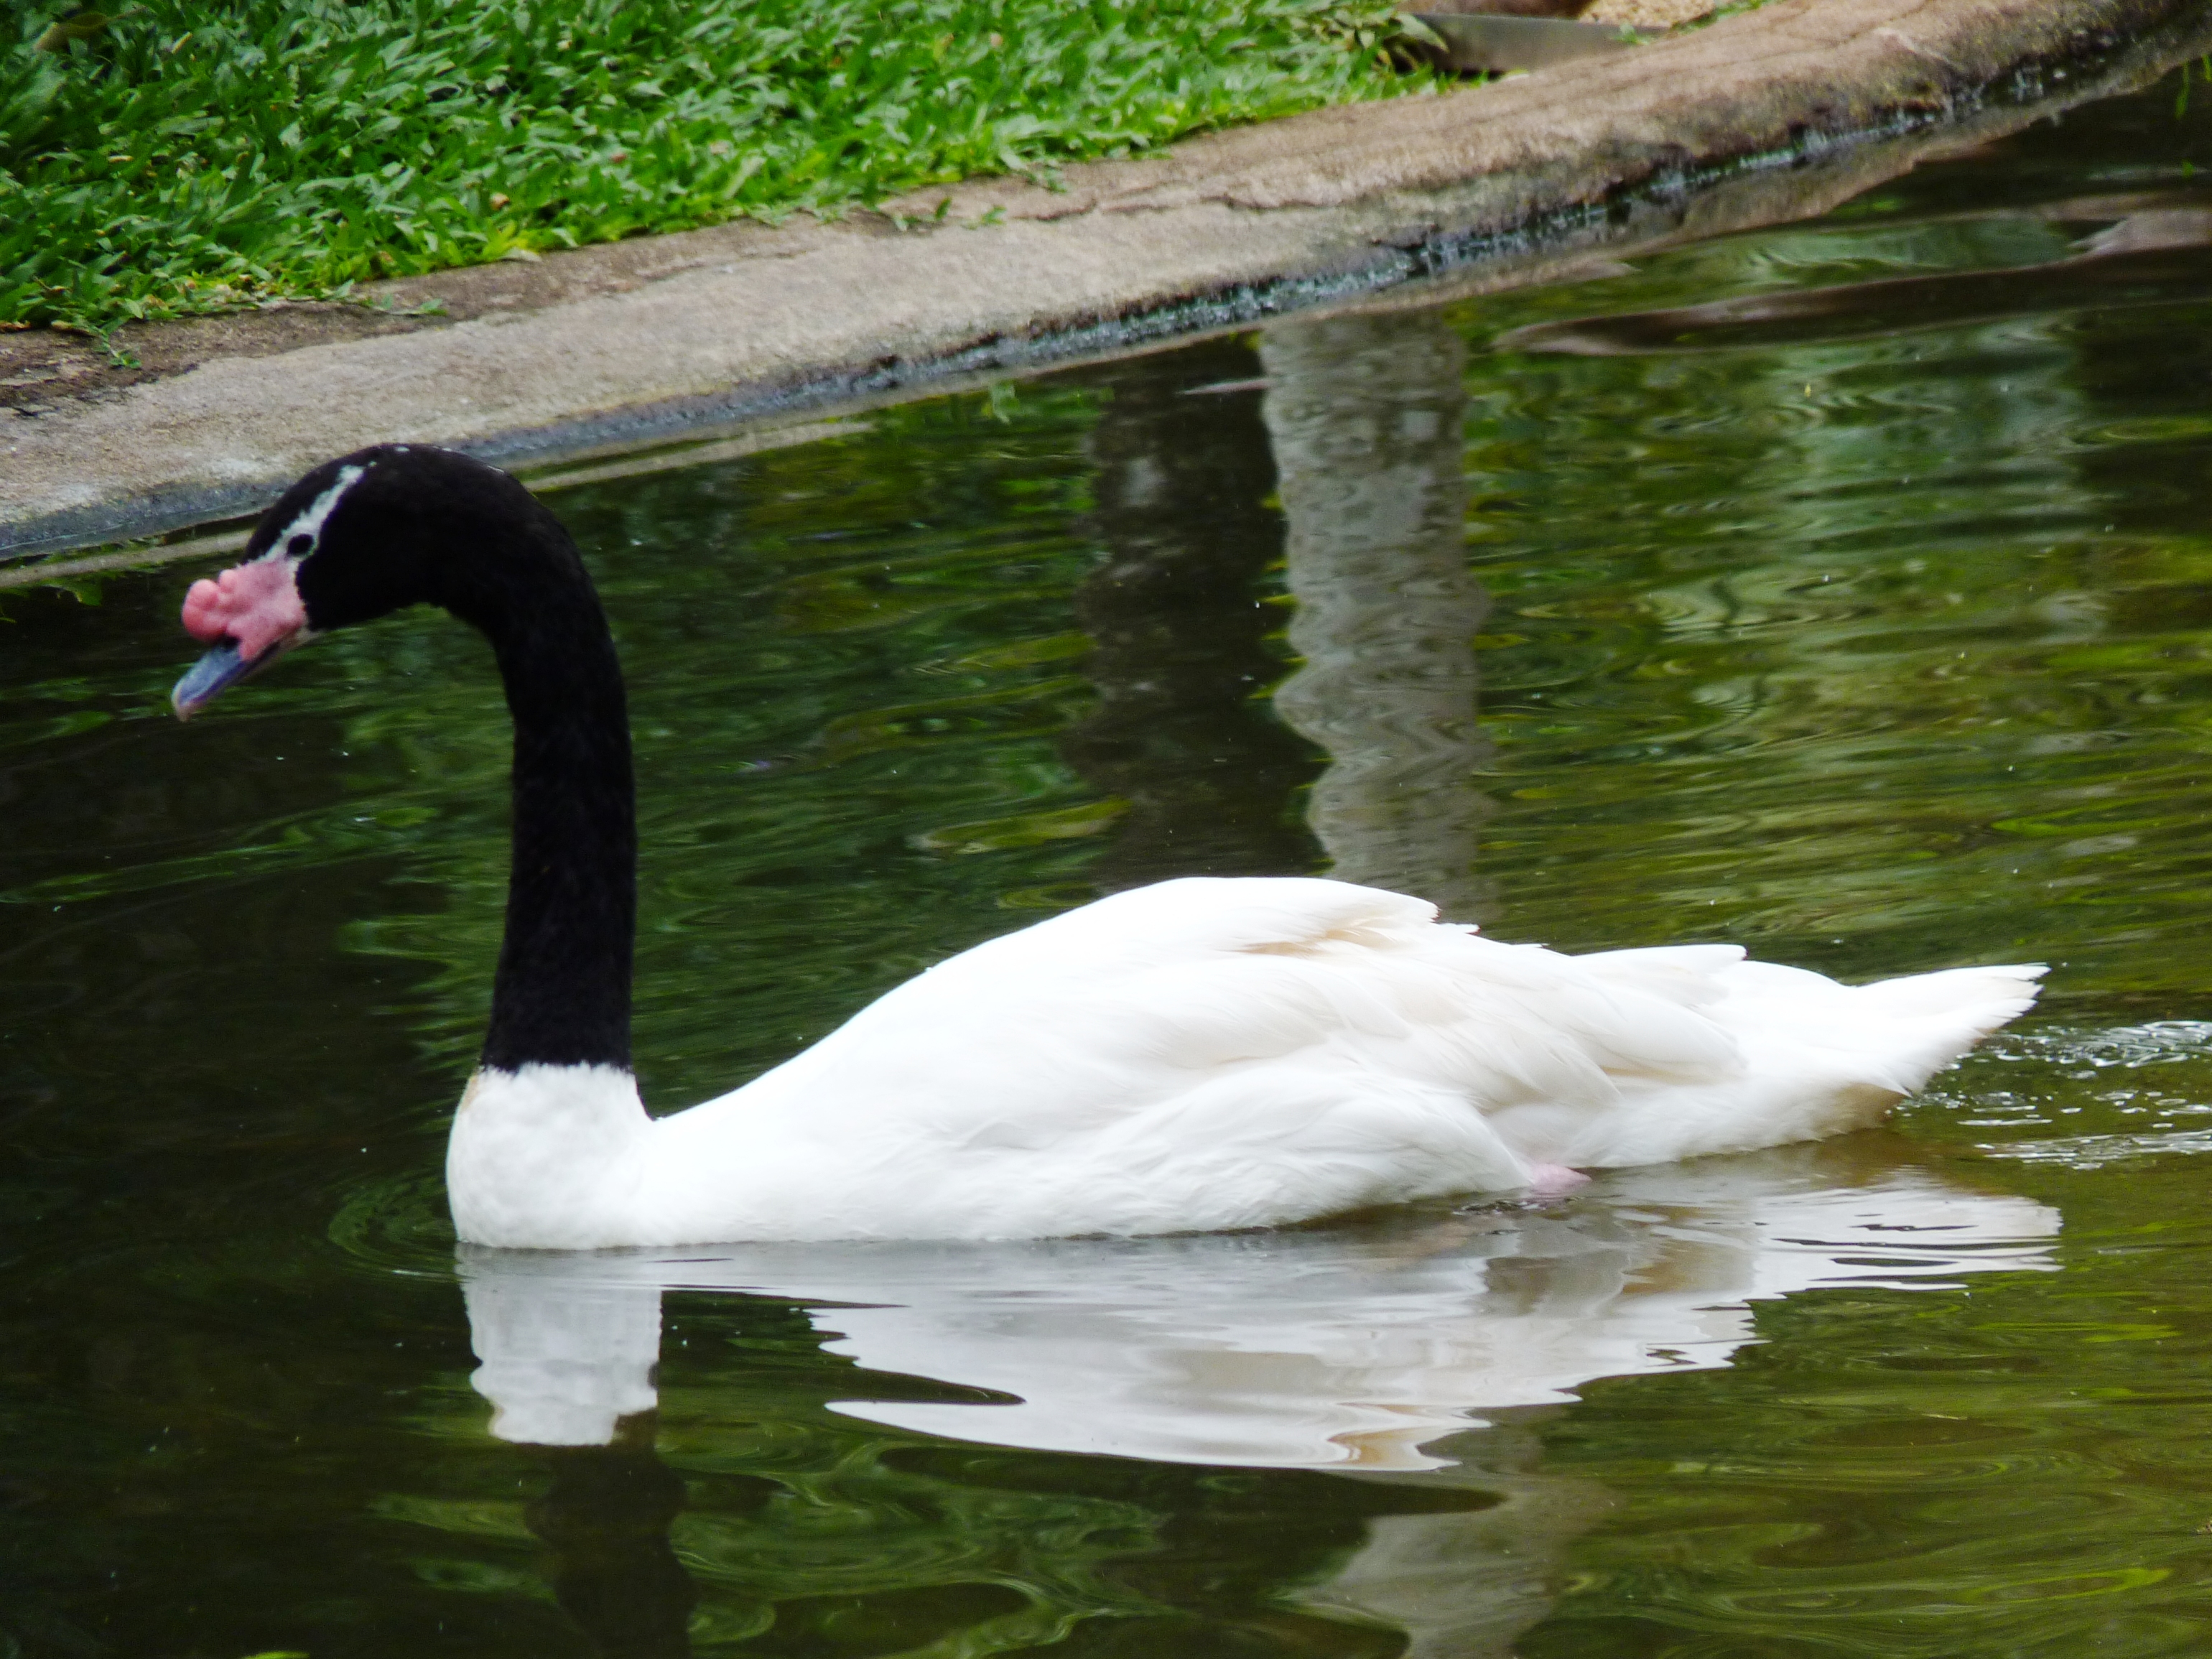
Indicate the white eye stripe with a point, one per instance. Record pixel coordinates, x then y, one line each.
310 522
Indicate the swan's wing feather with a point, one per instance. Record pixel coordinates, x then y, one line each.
1691 975
1194 975
1197 917
1229 1052
1210 1054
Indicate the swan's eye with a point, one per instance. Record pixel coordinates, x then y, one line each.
300 546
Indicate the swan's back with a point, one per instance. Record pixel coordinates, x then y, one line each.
1212 1053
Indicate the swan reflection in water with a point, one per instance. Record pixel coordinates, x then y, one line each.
1409 1349
1350 1347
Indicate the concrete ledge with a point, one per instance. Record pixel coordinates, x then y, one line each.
1775 114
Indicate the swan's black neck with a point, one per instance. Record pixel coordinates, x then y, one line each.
562 993
401 524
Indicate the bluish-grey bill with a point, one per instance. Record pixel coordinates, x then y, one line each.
213 674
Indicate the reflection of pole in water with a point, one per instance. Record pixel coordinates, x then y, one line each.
569 1368
1365 414
1464 1584
1177 630
606 1518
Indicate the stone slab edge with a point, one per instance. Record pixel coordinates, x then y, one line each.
1772 113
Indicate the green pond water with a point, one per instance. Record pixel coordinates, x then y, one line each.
1870 626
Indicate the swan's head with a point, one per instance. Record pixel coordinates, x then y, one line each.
355 539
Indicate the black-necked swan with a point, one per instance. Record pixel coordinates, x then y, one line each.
1204 1053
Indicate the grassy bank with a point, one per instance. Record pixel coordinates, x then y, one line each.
192 156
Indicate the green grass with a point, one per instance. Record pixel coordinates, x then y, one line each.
194 157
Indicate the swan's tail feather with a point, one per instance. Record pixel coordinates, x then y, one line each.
2010 987
1937 1018
1816 1058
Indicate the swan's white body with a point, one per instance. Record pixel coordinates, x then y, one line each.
1210 1054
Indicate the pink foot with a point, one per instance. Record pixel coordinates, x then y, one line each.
1554 1180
